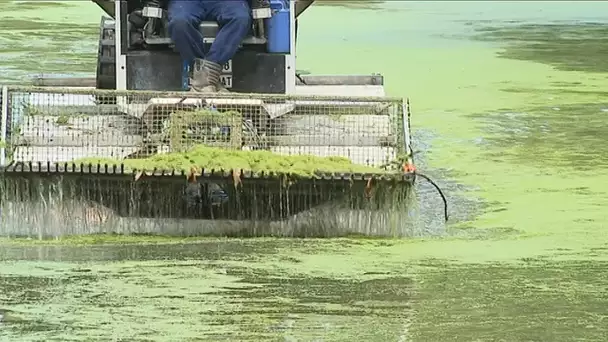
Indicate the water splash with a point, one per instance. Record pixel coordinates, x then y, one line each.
56 206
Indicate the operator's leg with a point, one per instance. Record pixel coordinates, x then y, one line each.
185 17
234 19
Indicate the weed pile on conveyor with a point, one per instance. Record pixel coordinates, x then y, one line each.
214 158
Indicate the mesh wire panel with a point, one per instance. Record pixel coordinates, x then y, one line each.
59 126
63 125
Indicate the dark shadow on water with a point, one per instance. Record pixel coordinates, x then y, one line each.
535 300
32 5
39 26
561 89
233 249
566 46
570 135
395 291
538 301
352 308
24 289
254 303
355 4
29 291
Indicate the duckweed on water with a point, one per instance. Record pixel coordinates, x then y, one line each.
567 46
538 300
213 158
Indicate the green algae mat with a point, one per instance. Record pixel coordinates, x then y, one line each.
214 158
512 148
535 300
277 289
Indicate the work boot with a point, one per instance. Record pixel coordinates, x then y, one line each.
221 88
206 77
199 77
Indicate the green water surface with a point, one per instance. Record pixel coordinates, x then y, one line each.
508 101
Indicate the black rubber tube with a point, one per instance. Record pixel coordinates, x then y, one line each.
445 201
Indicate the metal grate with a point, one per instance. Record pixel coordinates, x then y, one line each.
66 125
57 179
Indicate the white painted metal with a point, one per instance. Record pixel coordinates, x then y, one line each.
406 132
227 68
4 125
341 90
42 139
261 13
226 76
290 59
121 58
152 12
226 81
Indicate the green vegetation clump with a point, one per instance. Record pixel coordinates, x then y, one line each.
190 128
62 120
214 158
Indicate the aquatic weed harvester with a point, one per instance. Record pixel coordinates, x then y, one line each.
283 154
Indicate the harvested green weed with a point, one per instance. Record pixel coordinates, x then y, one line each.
213 158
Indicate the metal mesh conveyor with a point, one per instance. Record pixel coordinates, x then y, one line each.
262 161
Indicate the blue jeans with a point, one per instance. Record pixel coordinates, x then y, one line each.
185 17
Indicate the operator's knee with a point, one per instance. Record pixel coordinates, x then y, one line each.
242 21
180 24
186 38
236 16
182 15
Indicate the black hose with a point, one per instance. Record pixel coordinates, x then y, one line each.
299 77
445 201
